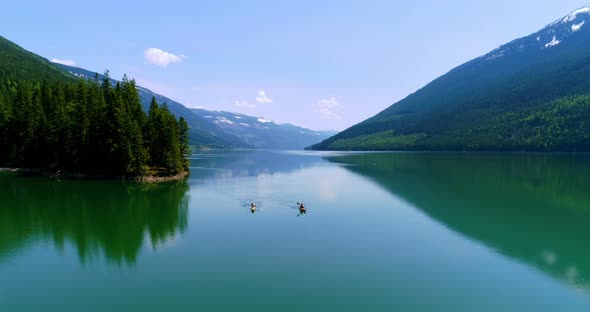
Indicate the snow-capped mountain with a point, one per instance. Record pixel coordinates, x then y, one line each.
260 132
567 28
531 94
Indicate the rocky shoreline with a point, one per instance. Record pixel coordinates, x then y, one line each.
157 179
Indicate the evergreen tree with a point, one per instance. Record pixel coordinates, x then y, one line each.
183 139
88 126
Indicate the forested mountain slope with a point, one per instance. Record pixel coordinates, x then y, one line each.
531 94
17 63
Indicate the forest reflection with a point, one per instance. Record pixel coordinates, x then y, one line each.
532 207
98 218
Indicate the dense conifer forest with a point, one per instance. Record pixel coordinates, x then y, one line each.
52 121
87 126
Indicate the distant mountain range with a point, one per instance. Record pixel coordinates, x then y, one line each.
202 131
227 129
532 94
263 133
19 64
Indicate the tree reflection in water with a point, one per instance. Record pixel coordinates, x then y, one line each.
108 218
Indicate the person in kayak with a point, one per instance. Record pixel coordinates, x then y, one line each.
253 207
302 208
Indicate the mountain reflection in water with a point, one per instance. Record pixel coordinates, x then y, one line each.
532 207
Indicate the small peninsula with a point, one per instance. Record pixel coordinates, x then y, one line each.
89 129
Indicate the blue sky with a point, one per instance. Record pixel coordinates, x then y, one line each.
319 64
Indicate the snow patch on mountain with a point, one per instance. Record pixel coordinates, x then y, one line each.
572 17
262 120
495 56
496 53
78 75
576 27
552 43
556 33
225 120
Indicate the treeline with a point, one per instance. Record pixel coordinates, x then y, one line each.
559 125
91 126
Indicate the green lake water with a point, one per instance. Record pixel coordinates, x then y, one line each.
383 232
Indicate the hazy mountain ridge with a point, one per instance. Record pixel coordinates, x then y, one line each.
529 94
263 133
226 129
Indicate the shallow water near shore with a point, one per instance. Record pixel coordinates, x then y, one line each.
383 232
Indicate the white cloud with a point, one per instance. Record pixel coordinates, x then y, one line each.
245 104
262 98
64 62
326 108
161 58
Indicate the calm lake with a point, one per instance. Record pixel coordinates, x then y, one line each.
383 232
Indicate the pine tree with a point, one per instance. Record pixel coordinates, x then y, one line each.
90 126
5 117
152 135
183 139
